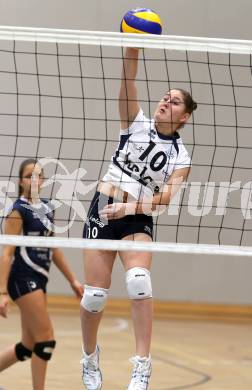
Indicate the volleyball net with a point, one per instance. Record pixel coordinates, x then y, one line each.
59 104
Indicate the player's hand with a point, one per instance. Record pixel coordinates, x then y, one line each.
77 288
4 305
117 210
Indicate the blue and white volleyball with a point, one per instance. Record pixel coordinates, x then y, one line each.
141 21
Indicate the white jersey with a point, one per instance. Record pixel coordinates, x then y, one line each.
145 159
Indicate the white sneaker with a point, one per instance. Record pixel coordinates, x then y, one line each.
141 373
91 374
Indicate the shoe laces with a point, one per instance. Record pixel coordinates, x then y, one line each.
90 366
141 372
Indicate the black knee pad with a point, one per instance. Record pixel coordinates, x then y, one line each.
44 349
22 352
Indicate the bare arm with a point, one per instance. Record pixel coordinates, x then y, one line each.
163 198
13 226
60 262
128 105
156 203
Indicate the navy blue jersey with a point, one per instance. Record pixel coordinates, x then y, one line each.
37 221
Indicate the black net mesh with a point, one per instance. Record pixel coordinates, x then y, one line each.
60 102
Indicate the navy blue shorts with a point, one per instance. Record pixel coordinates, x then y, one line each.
19 285
116 229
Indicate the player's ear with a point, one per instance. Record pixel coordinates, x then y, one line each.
185 117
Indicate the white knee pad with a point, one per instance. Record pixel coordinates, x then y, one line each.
138 283
94 298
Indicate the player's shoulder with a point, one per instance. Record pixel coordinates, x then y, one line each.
140 122
22 205
48 206
19 203
180 141
143 118
18 207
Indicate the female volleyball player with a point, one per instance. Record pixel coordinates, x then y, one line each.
148 165
25 278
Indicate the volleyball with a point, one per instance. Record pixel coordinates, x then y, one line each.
141 21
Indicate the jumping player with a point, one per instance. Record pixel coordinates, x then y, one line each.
148 165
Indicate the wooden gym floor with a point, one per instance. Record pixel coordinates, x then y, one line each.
188 353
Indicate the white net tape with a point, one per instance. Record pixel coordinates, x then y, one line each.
168 42
126 245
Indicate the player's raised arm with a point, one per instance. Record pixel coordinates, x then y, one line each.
128 104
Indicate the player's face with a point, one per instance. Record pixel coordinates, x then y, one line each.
31 180
171 110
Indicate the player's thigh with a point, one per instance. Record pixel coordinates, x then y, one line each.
98 266
36 323
132 259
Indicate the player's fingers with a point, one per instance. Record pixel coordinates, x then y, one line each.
107 210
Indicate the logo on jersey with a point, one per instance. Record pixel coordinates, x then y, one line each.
170 154
152 134
97 222
33 284
147 229
137 147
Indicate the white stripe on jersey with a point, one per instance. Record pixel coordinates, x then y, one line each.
145 159
29 262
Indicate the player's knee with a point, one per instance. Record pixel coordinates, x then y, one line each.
138 283
94 299
44 349
22 353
